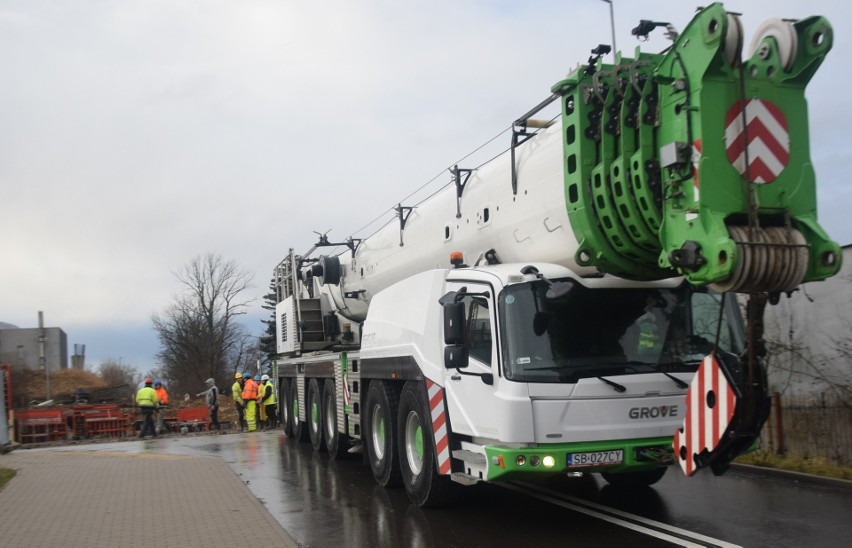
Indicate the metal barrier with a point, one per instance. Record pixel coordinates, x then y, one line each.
78 422
41 425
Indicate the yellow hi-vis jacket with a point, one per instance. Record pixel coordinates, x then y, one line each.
147 397
271 399
237 392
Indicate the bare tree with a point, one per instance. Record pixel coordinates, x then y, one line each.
117 374
198 333
803 356
245 353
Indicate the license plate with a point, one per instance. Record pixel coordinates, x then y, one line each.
595 458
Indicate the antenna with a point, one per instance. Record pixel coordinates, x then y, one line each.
612 27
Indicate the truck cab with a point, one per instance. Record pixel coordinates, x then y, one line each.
539 365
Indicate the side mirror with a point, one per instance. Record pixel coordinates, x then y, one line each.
456 357
541 320
557 290
448 298
454 323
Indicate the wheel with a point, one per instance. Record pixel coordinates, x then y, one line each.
284 406
417 458
313 410
336 443
635 479
297 427
380 434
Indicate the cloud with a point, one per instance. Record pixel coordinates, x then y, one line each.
137 135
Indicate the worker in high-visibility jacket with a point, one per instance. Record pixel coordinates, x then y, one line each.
163 400
250 398
261 411
261 396
268 401
147 401
239 404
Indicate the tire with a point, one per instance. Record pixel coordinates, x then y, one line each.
635 479
417 458
380 434
297 427
313 414
336 443
285 407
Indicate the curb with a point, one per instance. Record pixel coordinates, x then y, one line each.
795 476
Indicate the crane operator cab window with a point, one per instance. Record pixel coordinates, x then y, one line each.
587 332
478 328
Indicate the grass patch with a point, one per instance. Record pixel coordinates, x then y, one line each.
806 465
5 475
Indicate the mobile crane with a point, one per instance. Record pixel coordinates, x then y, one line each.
588 321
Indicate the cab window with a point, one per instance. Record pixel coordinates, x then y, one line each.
478 328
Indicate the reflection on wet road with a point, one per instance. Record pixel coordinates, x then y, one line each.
321 502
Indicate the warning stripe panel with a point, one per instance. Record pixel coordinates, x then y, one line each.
768 146
439 425
710 407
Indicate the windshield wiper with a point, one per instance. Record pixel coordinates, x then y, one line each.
618 387
677 381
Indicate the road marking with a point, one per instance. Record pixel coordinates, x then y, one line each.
656 529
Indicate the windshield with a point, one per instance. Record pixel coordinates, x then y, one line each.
594 332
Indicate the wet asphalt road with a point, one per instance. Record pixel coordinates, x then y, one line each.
336 503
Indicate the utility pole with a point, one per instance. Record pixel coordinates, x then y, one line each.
612 27
42 360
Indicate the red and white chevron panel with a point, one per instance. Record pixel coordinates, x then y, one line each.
768 147
704 423
439 425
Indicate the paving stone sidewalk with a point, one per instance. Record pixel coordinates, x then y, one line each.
95 499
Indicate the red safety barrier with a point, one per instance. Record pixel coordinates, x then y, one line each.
194 418
40 425
101 420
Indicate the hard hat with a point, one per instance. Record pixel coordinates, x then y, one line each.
158 382
264 378
211 382
149 380
238 376
246 375
257 377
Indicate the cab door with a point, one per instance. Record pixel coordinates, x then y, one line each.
470 401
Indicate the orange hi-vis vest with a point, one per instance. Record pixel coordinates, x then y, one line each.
162 395
250 391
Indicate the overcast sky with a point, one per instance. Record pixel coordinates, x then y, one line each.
137 135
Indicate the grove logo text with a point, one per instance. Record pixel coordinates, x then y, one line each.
653 412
